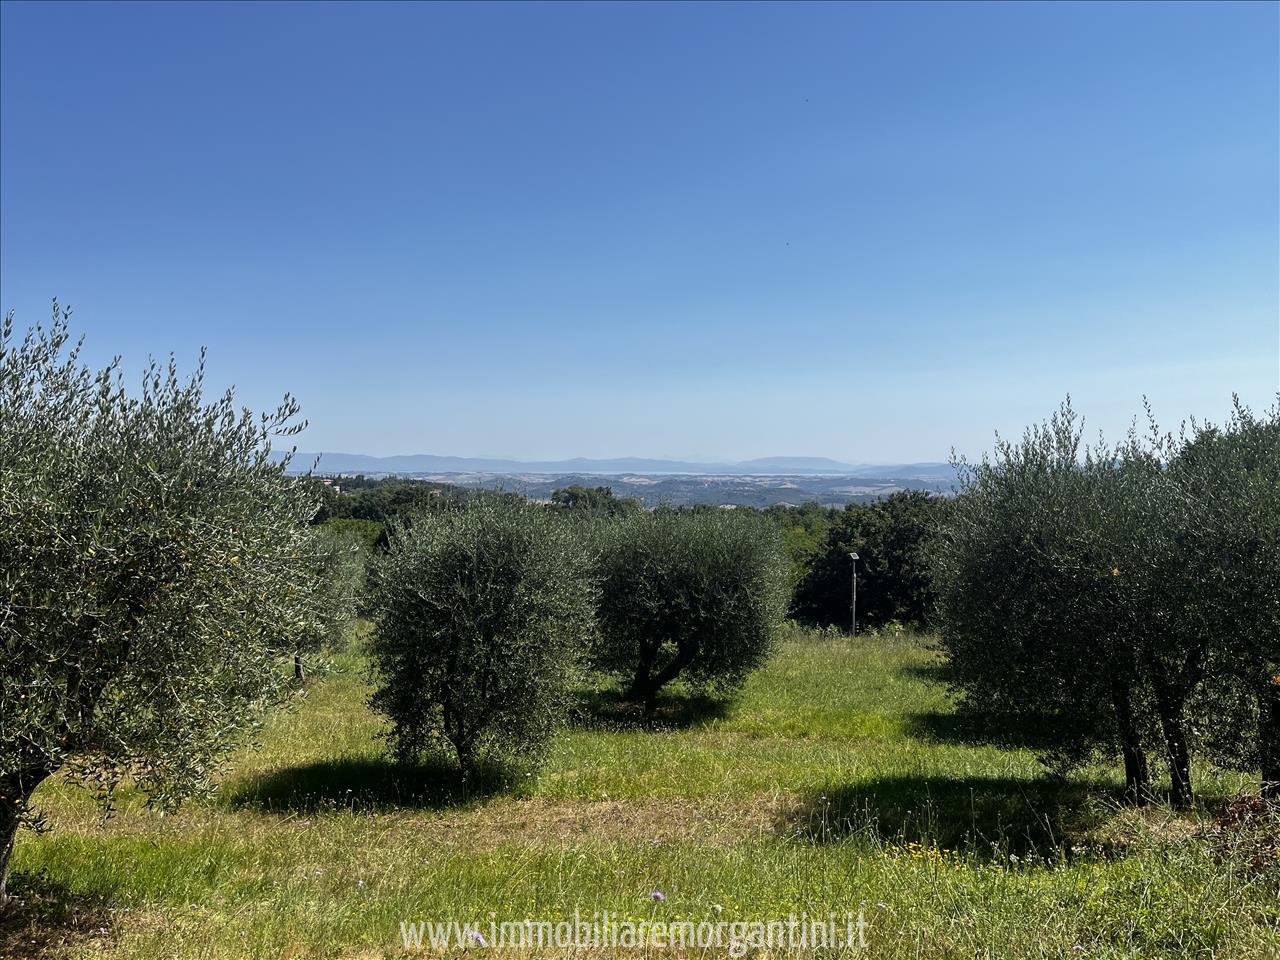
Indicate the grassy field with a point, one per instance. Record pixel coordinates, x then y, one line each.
838 781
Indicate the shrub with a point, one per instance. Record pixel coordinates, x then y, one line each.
482 613
155 574
697 594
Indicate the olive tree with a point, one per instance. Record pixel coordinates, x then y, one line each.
1222 586
481 614
1192 521
1123 597
693 594
1027 609
155 574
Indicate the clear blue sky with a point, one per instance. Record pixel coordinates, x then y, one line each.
860 231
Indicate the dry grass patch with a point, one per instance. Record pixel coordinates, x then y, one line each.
550 823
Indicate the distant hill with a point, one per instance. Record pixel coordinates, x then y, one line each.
797 465
424 463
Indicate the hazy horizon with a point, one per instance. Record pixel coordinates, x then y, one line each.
533 461
714 232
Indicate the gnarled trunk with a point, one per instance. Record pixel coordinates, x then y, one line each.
646 684
1137 772
466 760
642 689
1137 775
15 793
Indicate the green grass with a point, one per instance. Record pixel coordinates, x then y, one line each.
837 781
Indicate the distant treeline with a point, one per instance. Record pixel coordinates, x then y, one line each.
889 535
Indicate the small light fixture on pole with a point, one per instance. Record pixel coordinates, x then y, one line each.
853 604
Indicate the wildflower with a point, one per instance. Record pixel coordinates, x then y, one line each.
657 895
478 937
717 909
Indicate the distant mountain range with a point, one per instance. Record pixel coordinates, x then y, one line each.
424 463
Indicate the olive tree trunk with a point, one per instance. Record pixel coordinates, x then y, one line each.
8 834
646 684
1269 738
15 792
1137 771
1170 708
642 690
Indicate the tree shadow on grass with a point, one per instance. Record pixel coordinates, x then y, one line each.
675 710
986 816
967 727
932 671
48 919
365 783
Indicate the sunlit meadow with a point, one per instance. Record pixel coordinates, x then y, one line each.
839 781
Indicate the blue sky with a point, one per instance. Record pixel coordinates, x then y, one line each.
860 231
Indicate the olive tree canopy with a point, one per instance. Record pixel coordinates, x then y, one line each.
154 569
482 614
1124 597
1027 588
692 594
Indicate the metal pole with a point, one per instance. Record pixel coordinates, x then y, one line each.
853 603
853 609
